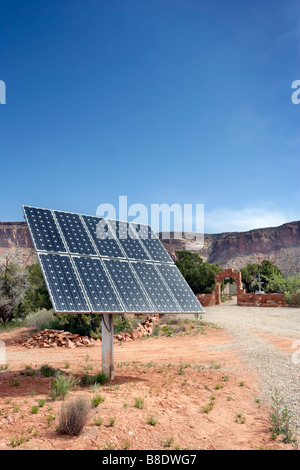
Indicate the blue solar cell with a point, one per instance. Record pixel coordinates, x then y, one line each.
74 232
103 237
63 284
160 296
43 229
97 285
129 240
116 266
182 292
131 293
152 243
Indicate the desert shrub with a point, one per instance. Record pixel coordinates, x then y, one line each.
84 325
139 403
99 379
97 400
36 295
281 419
48 371
41 320
13 283
122 324
73 416
62 385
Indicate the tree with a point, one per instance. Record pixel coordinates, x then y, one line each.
283 285
249 276
13 283
268 272
36 296
199 275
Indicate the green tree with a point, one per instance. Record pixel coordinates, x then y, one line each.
199 275
272 279
85 325
249 276
13 284
36 296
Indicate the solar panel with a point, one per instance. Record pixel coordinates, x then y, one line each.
131 293
152 243
129 240
183 294
75 234
97 285
98 265
63 284
44 231
103 237
155 287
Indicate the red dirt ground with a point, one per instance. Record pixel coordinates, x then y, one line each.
176 376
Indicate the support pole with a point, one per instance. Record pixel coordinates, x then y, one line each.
108 345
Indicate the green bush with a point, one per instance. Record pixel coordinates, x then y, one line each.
84 325
41 320
48 371
199 275
36 295
62 385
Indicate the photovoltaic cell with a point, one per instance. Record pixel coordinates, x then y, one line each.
132 295
182 292
129 240
103 237
74 233
45 234
128 270
152 243
157 291
97 285
63 284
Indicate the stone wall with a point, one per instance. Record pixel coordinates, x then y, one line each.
263 300
207 300
243 299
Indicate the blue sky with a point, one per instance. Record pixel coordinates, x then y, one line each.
164 101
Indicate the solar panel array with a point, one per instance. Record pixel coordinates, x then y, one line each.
98 265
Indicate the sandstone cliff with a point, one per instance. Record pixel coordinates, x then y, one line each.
16 243
281 245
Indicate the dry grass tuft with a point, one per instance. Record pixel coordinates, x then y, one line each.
73 416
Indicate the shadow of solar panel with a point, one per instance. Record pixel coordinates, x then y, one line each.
74 233
63 284
43 229
161 298
152 243
130 291
182 292
97 285
103 237
129 240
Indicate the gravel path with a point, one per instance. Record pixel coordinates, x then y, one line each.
275 369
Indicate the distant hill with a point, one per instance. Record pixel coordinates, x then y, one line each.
281 245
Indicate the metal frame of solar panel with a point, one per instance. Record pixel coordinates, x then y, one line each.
126 271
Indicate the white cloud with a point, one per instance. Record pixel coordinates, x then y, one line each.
228 220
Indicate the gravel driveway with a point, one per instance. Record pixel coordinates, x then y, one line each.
275 369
